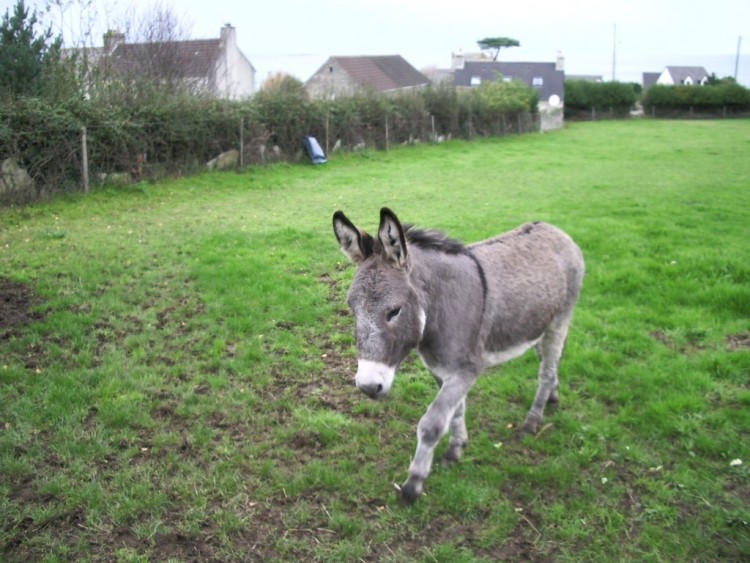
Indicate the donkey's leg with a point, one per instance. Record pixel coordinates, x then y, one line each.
550 349
432 426
459 435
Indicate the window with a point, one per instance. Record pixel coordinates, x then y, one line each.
476 80
537 81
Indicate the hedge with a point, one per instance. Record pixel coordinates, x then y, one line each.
713 97
178 135
614 98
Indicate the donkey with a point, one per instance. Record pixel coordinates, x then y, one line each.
464 308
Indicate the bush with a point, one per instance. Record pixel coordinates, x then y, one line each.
585 96
712 97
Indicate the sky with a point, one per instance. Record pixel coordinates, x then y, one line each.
619 40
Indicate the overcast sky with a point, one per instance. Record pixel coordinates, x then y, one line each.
297 36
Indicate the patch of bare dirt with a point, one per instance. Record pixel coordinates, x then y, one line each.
17 301
739 341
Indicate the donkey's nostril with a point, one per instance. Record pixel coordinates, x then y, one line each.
372 390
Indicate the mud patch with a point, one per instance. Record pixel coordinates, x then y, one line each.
739 341
17 301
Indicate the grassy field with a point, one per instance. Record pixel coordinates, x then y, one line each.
177 362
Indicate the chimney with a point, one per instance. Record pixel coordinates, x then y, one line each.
228 35
458 59
112 39
560 62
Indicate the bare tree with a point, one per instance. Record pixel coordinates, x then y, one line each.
124 52
147 55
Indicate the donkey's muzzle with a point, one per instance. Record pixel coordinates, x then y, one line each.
374 379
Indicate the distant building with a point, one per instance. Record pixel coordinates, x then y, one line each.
345 76
683 75
649 79
548 79
212 67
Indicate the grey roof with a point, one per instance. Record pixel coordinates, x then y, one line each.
381 73
650 78
552 80
189 59
681 73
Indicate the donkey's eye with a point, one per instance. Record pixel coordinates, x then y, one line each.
393 313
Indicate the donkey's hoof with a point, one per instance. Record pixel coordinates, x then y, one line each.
409 492
451 456
529 428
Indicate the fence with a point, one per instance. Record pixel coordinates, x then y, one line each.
78 149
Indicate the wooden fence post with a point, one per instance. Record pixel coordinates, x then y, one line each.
327 138
84 161
386 133
242 142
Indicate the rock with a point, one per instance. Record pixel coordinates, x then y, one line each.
15 182
228 159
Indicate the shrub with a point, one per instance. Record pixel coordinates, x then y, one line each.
712 97
583 96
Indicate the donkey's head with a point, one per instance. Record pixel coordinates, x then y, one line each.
388 316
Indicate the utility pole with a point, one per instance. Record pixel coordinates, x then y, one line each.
737 58
614 53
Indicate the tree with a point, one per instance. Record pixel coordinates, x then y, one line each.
26 58
497 43
150 64
285 85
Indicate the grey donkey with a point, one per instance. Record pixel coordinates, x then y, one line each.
464 308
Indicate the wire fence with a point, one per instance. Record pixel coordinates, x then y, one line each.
43 156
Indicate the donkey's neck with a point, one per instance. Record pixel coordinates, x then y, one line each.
449 284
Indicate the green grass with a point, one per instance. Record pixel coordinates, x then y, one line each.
184 388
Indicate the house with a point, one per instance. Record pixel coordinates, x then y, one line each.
683 75
548 79
212 67
344 76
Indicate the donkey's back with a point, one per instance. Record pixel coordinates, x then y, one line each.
533 276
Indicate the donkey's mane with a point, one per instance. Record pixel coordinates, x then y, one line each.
432 240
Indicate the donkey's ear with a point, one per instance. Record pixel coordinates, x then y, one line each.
392 238
354 242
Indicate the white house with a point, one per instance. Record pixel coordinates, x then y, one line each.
683 76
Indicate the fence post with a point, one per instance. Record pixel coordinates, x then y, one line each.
386 133
328 151
242 142
84 160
